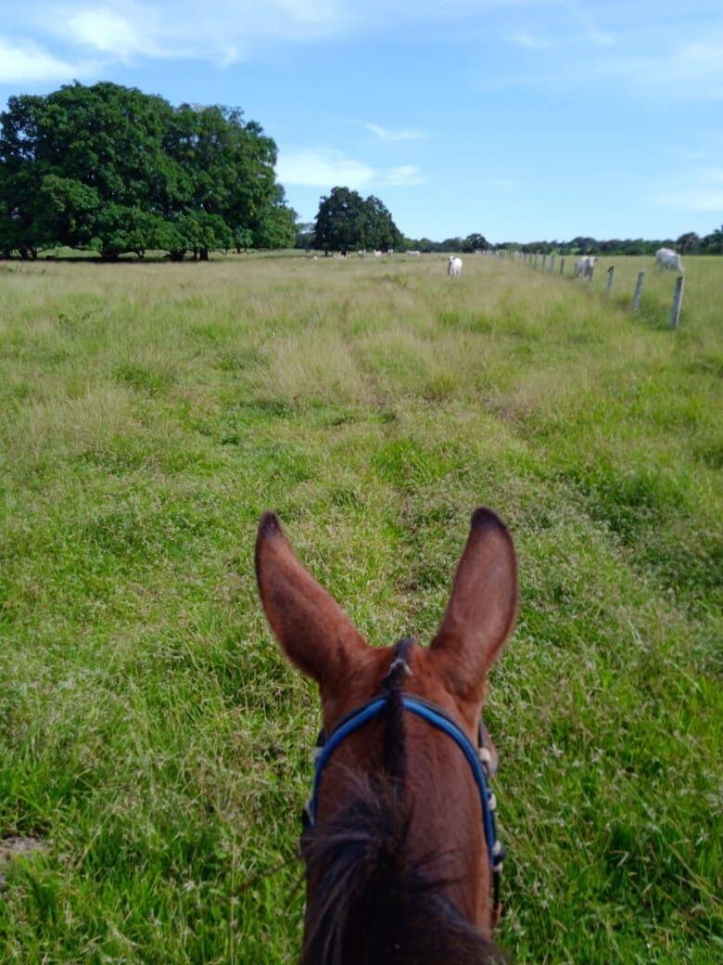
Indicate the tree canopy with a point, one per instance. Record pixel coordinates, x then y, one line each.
346 221
110 169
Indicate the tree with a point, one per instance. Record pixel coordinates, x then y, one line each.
475 242
339 224
346 221
111 169
688 243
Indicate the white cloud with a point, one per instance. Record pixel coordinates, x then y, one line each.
530 42
26 62
322 168
582 28
404 174
327 168
122 31
692 69
108 32
402 134
239 29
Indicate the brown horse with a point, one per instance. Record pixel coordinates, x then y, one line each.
399 846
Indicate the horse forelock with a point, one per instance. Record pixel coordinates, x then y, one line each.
367 886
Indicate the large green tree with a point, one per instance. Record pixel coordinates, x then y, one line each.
111 169
339 224
475 242
346 221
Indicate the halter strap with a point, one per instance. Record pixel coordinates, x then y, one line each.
479 760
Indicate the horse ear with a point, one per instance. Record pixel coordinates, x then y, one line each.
313 630
482 608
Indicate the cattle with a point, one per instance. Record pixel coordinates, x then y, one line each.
667 260
585 266
454 266
377 254
413 254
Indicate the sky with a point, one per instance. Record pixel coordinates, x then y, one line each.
518 119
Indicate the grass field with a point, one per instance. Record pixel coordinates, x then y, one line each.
154 745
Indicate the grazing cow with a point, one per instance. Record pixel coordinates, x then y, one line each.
667 260
377 254
585 266
454 266
413 254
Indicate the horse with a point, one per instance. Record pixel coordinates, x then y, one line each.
400 847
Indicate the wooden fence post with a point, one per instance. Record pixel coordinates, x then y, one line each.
611 278
562 266
552 263
534 264
544 259
677 301
638 291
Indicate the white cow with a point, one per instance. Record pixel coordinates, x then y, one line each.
377 254
667 260
413 254
585 266
454 266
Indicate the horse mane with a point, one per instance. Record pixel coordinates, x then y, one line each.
367 884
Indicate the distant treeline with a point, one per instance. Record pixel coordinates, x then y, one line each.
687 244
111 170
308 237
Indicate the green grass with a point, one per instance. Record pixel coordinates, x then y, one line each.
152 738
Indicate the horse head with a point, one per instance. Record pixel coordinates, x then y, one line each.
400 847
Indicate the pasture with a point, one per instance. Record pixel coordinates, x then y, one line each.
155 745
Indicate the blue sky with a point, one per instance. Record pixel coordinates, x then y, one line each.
520 119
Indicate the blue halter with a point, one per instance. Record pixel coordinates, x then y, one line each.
478 760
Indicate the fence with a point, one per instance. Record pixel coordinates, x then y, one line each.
546 263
